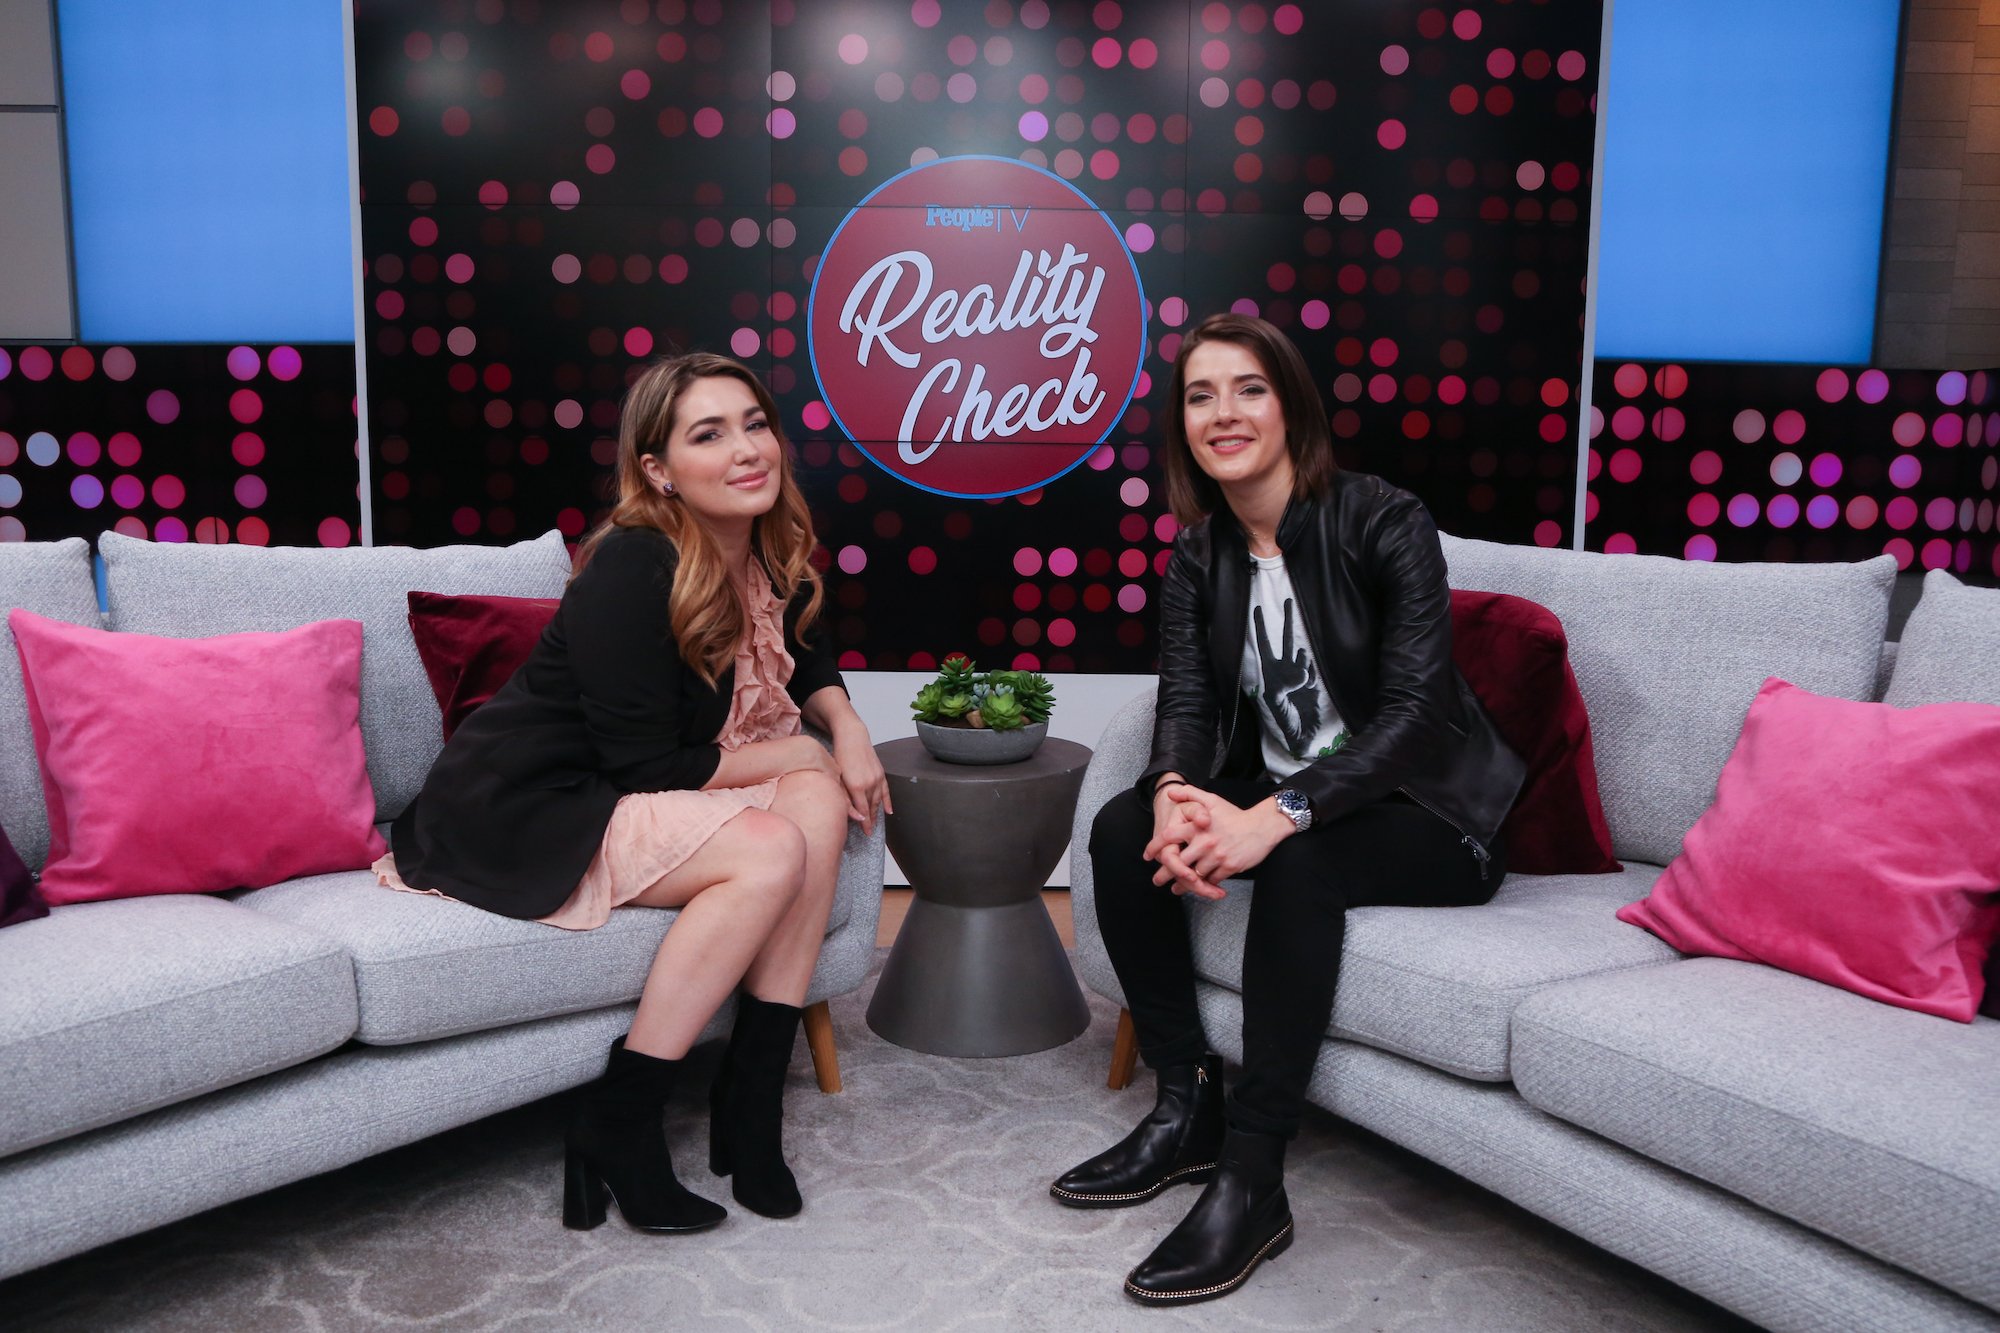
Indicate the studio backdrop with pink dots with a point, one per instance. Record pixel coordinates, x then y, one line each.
962 242
1785 463
179 443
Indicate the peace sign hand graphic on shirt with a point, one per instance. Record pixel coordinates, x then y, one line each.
1289 680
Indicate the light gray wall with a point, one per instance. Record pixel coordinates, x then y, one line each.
34 224
27 54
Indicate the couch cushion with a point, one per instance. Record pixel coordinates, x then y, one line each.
181 1160
1871 1124
1513 654
1853 843
20 900
111 1009
428 967
194 591
1950 650
1950 653
196 765
1669 654
1115 764
471 646
1439 984
1885 669
51 579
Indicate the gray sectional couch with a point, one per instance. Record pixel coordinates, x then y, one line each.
1800 1155
160 1056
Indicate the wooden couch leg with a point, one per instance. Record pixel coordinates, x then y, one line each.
819 1040
1124 1052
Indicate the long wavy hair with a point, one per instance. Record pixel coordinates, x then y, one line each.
706 613
1192 493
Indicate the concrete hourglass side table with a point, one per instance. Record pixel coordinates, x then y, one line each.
978 968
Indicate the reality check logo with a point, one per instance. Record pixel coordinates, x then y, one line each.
1055 293
976 219
976 326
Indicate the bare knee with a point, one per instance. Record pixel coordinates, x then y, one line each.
773 853
812 788
817 803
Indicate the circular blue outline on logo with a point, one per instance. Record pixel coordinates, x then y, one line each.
812 351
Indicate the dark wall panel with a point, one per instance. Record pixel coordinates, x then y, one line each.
179 443
1720 462
554 192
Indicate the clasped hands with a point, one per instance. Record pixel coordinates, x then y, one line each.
1201 839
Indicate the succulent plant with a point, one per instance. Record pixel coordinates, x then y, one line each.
1002 710
1037 695
963 695
956 675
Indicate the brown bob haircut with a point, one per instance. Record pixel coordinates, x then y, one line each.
1309 440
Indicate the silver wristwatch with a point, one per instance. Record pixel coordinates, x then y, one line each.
1295 807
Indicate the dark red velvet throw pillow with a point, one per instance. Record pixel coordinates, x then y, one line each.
19 899
472 645
1514 654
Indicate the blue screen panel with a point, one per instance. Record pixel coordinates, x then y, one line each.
1745 161
208 170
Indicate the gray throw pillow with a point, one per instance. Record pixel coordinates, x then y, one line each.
1950 650
1669 653
51 579
191 591
1950 653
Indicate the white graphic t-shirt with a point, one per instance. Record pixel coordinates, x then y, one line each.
1296 719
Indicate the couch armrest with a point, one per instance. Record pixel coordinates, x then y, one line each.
1119 759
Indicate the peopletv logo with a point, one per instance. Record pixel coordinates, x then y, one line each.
977 326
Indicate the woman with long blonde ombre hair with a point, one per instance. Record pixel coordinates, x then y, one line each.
650 752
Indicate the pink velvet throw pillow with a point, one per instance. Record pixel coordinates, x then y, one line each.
1853 843
195 765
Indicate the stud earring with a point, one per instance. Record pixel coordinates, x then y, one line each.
667 489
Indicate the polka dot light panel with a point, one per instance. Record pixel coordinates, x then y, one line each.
1797 463
179 443
554 193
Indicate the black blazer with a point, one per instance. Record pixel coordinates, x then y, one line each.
1370 577
517 803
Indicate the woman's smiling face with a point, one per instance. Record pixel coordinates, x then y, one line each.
721 454
1234 422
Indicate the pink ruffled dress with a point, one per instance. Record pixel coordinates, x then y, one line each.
652 833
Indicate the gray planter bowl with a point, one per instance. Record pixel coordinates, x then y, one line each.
977 745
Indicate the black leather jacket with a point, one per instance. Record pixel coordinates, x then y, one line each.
1370 579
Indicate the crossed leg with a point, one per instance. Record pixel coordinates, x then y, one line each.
816 806
754 901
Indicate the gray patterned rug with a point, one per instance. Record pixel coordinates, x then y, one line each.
925 1209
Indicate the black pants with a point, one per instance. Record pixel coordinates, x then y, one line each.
1392 853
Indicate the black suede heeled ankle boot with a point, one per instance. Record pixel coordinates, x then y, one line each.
1179 1142
1241 1219
746 1108
617 1148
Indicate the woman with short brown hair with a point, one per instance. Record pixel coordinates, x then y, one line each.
1305 622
